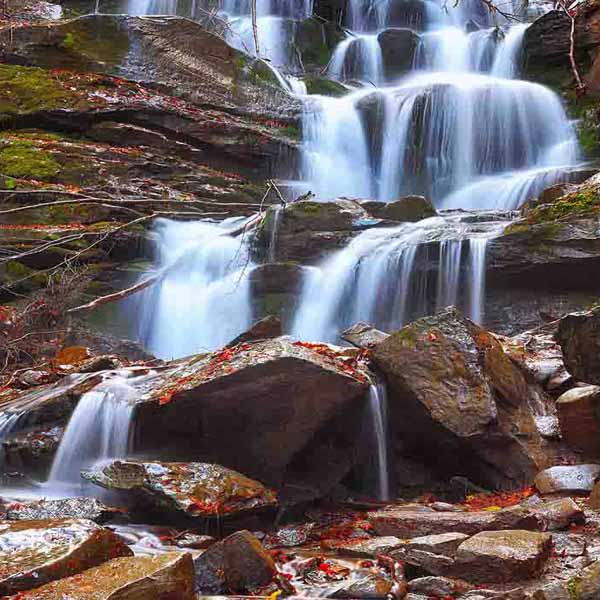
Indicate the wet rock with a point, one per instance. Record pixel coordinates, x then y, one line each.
368 548
459 402
192 489
579 337
443 543
365 583
579 418
236 409
267 328
36 552
32 450
440 587
67 508
500 556
194 541
169 575
559 514
409 208
573 478
398 47
363 335
409 523
238 564
289 536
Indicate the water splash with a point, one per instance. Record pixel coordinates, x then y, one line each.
379 420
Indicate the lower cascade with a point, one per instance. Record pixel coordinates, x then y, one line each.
299 298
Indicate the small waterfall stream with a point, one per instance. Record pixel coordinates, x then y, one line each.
378 416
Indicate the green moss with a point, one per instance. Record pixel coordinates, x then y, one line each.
23 160
408 337
25 90
68 41
324 87
574 588
22 278
580 203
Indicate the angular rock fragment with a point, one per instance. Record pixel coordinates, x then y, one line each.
409 524
364 335
559 514
33 553
579 337
459 401
501 556
579 418
368 548
267 328
572 478
163 576
440 587
192 489
236 565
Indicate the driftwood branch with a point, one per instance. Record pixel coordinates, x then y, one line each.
255 28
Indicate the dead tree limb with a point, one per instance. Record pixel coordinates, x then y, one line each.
255 28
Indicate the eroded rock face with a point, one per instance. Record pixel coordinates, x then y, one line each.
457 398
579 337
194 489
574 478
33 553
579 418
499 556
169 575
254 408
238 564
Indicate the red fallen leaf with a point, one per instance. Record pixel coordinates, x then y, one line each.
165 399
432 337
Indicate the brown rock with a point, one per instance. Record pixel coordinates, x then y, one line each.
440 587
573 478
363 335
267 328
410 524
559 514
193 489
579 337
368 548
36 552
501 556
254 410
588 583
238 564
156 577
595 497
459 402
579 417
66 508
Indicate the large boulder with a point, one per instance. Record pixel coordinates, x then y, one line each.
257 408
459 402
501 556
161 576
33 553
237 565
579 337
192 489
579 418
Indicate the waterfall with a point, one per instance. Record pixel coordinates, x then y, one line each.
98 429
276 220
449 273
378 413
506 62
358 57
477 248
203 299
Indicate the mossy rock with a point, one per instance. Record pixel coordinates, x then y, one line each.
23 160
25 90
316 41
324 87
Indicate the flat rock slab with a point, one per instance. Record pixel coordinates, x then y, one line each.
501 556
368 548
67 508
33 553
194 489
410 524
165 576
237 564
573 478
559 514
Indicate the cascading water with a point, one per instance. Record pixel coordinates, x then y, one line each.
203 300
378 410
98 429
